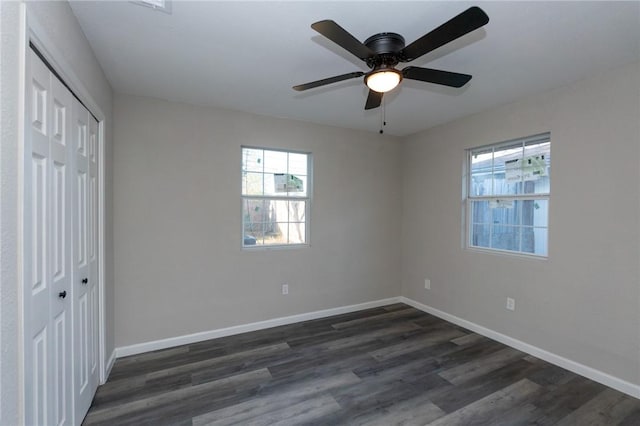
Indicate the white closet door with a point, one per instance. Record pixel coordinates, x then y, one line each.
47 268
61 272
92 285
85 258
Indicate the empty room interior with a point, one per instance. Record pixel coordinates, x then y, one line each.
369 212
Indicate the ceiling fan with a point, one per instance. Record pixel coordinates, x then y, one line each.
382 52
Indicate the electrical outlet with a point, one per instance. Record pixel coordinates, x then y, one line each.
511 304
427 284
285 288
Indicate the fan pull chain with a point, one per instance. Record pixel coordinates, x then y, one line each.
383 116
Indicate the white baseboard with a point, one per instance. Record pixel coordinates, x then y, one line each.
244 328
581 369
586 371
110 362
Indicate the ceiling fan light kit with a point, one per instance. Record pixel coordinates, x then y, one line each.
382 52
383 80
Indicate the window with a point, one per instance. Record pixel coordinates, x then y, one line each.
276 188
508 191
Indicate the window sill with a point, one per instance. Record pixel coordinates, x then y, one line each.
507 253
275 247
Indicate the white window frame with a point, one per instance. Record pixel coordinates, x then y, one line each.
469 198
306 199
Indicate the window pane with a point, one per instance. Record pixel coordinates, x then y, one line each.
297 186
536 166
285 184
253 218
481 174
298 164
270 185
252 159
535 212
505 212
297 233
278 211
253 210
274 222
275 162
507 170
510 222
297 211
276 233
518 168
252 183
480 236
505 237
534 240
480 212
252 236
541 236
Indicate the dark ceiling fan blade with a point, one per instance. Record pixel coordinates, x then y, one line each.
373 100
342 38
326 81
469 20
429 75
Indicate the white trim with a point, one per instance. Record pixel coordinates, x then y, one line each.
105 366
515 197
527 140
244 328
576 367
581 369
22 134
109 364
506 253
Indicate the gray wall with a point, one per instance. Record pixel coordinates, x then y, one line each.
9 125
583 302
179 267
61 28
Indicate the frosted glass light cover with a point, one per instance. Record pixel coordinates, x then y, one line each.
383 81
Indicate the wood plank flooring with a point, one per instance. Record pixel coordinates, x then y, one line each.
392 365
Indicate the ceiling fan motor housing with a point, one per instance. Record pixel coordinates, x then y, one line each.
387 47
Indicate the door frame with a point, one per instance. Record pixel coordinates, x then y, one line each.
33 32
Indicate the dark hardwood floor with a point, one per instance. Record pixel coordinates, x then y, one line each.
382 366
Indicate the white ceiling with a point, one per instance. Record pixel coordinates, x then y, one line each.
246 55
